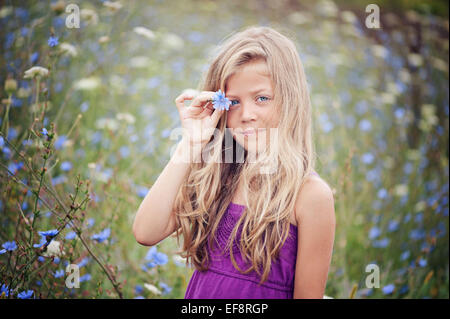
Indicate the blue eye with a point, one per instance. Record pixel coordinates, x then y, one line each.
232 104
264 97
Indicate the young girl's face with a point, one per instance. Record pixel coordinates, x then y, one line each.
252 107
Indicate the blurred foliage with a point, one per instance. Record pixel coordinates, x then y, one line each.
81 145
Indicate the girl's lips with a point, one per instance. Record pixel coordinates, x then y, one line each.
248 132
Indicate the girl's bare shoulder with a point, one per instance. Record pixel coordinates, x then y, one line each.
315 195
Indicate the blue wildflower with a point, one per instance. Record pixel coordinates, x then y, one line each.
91 222
220 101
416 234
85 277
405 255
8 246
25 294
165 288
46 237
388 289
71 235
59 143
102 236
138 289
44 131
59 273
422 262
367 158
382 243
52 41
393 225
365 125
34 57
83 262
382 193
156 257
4 289
142 191
374 232
84 106
66 166
139 297
48 233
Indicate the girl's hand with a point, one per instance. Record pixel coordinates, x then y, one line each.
199 119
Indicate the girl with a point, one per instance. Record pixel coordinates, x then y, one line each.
250 233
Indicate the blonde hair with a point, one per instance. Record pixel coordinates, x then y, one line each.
270 198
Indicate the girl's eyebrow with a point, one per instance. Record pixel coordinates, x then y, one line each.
252 92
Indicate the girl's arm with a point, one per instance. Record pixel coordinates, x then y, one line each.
316 228
155 219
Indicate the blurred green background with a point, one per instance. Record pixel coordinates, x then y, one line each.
380 109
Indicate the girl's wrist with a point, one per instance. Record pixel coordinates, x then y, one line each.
189 151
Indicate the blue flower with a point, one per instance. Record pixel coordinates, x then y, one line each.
142 191
422 262
220 101
25 294
85 277
367 158
60 142
49 233
91 222
382 193
166 288
59 273
393 225
41 243
8 246
44 131
83 262
138 289
388 289
4 289
382 243
46 237
155 258
374 232
405 255
102 236
365 125
66 166
416 234
52 41
71 235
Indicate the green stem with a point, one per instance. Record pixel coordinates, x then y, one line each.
5 125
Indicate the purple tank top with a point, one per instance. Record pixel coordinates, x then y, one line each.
223 281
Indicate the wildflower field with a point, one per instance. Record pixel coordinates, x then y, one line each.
86 114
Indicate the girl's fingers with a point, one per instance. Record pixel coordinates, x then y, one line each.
201 99
215 116
179 101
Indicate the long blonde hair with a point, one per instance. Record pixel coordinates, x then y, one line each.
270 198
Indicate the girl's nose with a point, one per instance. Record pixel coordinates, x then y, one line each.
248 112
